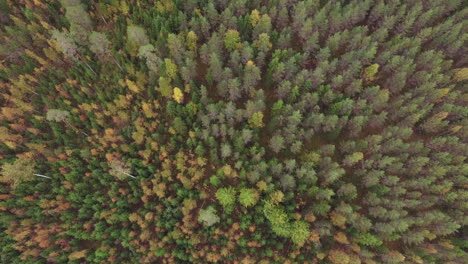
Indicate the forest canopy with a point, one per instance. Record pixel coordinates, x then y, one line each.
233 131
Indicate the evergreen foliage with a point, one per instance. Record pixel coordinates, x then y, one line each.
234 131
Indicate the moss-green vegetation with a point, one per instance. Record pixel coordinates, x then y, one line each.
233 131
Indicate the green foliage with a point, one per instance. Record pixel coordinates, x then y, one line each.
179 126
263 43
348 118
99 44
215 180
231 39
170 68
248 197
300 232
277 143
226 196
278 219
367 239
353 158
137 35
165 87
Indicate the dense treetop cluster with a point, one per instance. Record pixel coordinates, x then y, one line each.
233 131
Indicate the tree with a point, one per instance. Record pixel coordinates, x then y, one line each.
176 48
254 17
435 122
461 74
251 76
287 181
78 254
278 219
226 196
165 87
17 172
136 35
170 69
352 159
178 95
80 22
393 257
179 126
263 43
136 38
367 239
276 197
338 257
277 143
370 72
231 39
300 232
132 86
248 197
99 44
225 150
263 26
57 115
119 169
148 52
68 47
256 120
208 216
215 69
191 41
66 44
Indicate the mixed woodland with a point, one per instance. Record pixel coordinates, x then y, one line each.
234 131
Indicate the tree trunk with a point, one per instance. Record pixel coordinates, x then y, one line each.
82 60
43 176
99 11
129 175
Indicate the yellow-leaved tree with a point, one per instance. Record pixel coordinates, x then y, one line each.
178 95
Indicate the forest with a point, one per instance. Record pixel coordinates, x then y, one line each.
234 131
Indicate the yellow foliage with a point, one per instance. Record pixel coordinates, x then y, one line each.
254 17
77 254
338 219
262 185
124 8
321 255
441 115
178 95
443 92
455 129
277 197
370 72
191 41
227 170
34 56
132 86
461 74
